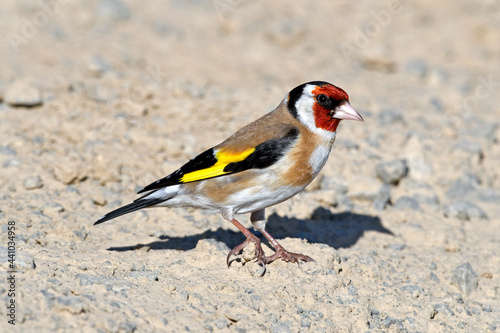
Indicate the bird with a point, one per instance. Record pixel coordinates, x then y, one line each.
263 164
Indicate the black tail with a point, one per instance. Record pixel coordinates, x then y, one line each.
136 205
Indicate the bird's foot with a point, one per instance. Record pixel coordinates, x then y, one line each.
283 254
259 252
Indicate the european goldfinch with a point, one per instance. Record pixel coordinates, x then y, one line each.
266 162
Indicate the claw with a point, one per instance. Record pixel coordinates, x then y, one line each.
281 253
237 250
284 255
259 252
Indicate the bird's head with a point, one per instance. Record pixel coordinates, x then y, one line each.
320 106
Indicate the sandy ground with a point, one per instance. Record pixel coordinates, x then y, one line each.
100 98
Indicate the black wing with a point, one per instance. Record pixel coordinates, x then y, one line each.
215 163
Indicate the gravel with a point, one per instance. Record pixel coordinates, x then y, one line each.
71 304
469 147
388 117
23 94
363 188
464 210
113 10
7 150
336 183
465 278
383 198
467 187
405 203
392 172
422 192
107 123
443 308
23 261
97 66
33 183
420 165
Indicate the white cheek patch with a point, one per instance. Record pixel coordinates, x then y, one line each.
304 107
305 113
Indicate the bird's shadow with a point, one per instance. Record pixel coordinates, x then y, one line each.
341 230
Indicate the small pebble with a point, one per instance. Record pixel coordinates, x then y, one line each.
336 183
437 104
51 208
388 117
100 92
422 192
32 183
374 139
443 308
281 327
113 10
469 147
128 327
489 195
487 308
7 151
392 172
405 203
383 198
387 322
221 323
464 210
24 94
144 276
465 278
397 247
305 322
98 198
23 260
71 304
419 165
414 291
97 66
65 174
11 162
464 188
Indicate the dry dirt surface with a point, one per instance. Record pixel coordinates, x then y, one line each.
99 98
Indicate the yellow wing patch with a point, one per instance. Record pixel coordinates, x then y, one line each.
217 169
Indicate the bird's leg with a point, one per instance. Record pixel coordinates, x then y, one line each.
282 253
259 253
258 219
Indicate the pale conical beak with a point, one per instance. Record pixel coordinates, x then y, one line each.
346 111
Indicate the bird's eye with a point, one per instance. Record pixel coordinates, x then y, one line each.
322 99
